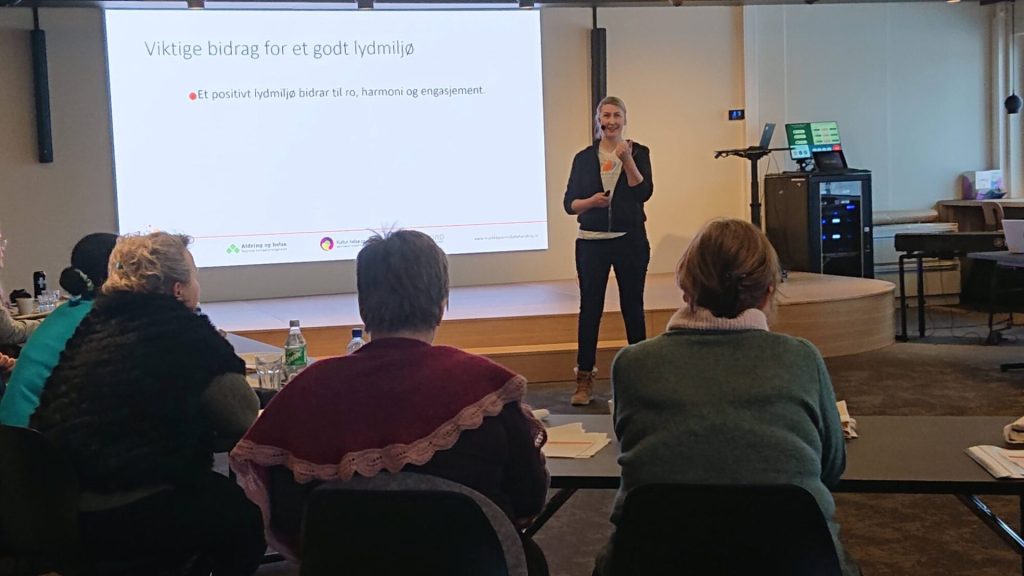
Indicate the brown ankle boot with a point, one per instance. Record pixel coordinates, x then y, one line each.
584 387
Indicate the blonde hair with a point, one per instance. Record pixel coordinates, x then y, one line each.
614 101
729 267
150 263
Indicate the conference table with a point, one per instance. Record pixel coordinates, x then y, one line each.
893 455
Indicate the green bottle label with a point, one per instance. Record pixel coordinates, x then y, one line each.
295 356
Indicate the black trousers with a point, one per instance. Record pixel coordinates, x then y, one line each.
206 527
629 255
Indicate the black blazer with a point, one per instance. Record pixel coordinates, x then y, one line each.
626 213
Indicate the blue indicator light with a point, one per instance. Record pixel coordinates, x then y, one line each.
837 236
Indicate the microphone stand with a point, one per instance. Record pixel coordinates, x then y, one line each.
753 155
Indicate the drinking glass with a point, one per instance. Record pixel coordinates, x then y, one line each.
270 371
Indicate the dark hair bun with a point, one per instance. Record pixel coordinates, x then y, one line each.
75 282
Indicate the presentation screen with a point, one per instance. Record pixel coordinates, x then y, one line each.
290 136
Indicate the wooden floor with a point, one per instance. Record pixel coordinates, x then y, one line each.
531 327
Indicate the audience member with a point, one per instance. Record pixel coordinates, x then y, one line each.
399 403
718 399
12 332
142 393
88 271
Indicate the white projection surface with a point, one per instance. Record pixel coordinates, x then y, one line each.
290 136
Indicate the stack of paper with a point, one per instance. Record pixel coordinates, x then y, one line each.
849 424
999 462
572 441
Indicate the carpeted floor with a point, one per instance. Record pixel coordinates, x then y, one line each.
947 373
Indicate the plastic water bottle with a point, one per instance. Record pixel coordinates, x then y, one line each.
294 350
356 342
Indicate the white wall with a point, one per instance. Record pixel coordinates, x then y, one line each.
676 105
908 84
46 208
679 70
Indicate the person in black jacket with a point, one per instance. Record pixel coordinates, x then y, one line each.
143 394
609 183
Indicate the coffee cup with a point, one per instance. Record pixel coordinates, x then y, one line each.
26 305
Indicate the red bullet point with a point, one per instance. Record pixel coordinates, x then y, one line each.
192 96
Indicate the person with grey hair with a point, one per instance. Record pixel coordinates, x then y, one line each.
399 403
609 183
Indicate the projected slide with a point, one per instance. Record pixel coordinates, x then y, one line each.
289 136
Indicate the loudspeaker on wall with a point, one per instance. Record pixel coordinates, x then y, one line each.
42 96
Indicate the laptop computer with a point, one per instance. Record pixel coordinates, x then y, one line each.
766 136
764 144
1014 232
829 161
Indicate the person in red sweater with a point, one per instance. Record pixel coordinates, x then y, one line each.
399 403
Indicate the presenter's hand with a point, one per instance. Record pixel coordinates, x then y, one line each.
624 150
600 200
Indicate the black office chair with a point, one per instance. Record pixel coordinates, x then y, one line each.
38 506
722 530
406 523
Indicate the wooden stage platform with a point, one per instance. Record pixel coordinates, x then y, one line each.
531 327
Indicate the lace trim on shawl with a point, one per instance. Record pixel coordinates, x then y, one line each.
391 458
703 319
250 460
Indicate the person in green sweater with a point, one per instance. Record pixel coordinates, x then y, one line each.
717 398
88 271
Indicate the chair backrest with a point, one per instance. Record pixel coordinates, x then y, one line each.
721 529
993 214
407 523
38 504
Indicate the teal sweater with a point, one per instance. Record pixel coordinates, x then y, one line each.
728 407
37 360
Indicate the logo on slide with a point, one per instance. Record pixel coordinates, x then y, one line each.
233 249
327 244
